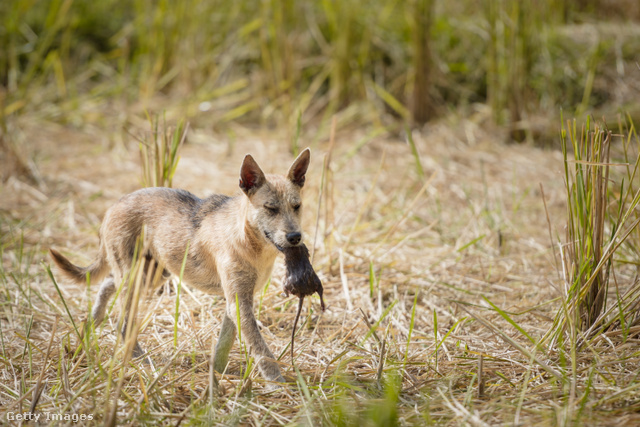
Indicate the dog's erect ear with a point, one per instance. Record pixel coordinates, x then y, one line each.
251 176
298 169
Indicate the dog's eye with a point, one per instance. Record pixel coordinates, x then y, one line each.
271 209
296 207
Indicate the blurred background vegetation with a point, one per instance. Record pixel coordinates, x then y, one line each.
380 63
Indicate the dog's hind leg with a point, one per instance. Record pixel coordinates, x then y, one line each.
225 343
152 273
127 330
107 289
137 349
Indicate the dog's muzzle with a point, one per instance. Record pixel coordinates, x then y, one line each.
270 239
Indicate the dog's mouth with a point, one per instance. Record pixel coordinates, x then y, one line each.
270 239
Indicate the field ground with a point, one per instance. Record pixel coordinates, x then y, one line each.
449 247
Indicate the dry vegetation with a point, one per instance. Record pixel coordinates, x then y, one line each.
465 282
417 268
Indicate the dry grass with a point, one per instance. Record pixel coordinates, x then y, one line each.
438 272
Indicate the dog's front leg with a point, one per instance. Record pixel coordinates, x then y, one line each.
224 344
252 338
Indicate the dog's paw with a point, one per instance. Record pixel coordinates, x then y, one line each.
271 387
270 371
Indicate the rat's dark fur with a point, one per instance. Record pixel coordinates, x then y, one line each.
300 280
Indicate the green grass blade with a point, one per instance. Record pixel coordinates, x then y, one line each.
64 302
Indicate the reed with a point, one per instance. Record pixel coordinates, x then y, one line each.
602 224
159 153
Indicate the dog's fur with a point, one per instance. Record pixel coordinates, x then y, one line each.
233 243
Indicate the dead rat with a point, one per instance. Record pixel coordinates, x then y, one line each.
300 280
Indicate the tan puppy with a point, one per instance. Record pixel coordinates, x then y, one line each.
233 243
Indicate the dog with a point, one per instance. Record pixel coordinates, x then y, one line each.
232 245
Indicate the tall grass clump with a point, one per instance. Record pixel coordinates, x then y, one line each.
600 218
586 267
159 153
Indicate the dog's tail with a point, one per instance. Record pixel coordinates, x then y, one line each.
97 270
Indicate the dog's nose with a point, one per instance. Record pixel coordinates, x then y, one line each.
294 238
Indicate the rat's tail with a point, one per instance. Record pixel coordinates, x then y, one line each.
295 323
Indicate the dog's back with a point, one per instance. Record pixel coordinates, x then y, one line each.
166 217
